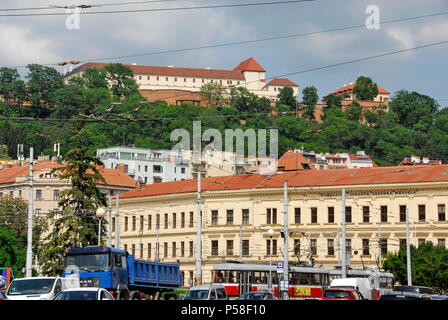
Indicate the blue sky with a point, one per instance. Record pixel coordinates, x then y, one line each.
47 40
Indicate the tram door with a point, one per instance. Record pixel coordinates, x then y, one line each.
244 283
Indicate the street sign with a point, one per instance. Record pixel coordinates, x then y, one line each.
279 266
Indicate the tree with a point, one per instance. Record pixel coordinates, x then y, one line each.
4 152
120 78
245 101
12 253
354 111
215 95
429 264
365 89
286 97
310 98
12 88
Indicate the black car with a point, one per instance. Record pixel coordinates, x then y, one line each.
395 295
257 296
415 289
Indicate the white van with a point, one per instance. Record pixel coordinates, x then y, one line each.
207 292
360 284
38 288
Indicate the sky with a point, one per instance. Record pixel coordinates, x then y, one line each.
46 39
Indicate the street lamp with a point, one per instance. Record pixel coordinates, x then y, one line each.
270 234
100 213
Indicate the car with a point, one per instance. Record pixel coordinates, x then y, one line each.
206 292
439 297
84 294
402 295
38 288
342 294
257 296
416 289
2 296
361 284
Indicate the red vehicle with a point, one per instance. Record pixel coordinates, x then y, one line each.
239 278
341 294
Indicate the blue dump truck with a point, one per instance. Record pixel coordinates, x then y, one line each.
124 277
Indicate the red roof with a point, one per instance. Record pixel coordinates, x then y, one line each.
115 177
170 71
250 65
314 178
282 82
349 88
293 161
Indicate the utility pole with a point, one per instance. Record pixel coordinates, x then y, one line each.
109 238
158 236
117 222
29 248
241 243
286 231
380 242
198 233
344 253
408 248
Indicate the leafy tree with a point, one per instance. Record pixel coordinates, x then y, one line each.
214 95
429 264
286 97
354 111
365 89
310 98
4 152
12 88
12 253
120 78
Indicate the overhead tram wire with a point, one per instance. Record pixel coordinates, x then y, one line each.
232 86
233 5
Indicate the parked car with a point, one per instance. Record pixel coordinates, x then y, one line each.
38 288
416 289
341 294
361 284
402 295
84 294
207 292
257 296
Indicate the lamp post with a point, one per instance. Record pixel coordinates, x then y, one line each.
100 213
270 234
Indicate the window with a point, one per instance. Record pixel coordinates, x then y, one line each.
230 247
158 221
441 242
165 249
271 216
313 245
348 214
402 213
182 219
365 214
191 219
142 223
296 247
141 250
182 249
149 251
229 216
348 246
402 243
173 253
166 220
56 195
383 213
271 247
149 222
174 220
134 223
191 248
38 194
157 169
215 249
365 247
245 248
313 215
125 247
113 224
245 217
441 212
421 213
182 170
330 214
214 217
297 215
383 246
330 247
125 223
133 249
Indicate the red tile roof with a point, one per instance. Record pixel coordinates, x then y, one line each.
114 177
282 82
349 88
293 161
250 65
315 178
170 71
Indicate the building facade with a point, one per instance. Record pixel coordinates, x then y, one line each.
177 85
160 221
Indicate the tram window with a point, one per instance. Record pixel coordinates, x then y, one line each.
386 283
